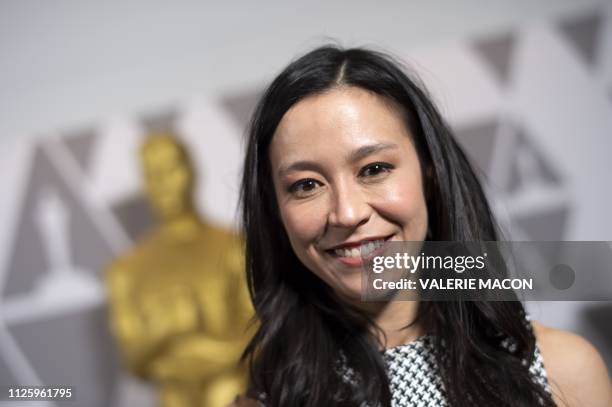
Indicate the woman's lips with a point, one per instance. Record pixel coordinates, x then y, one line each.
355 256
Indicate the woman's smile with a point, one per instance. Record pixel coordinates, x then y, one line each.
355 252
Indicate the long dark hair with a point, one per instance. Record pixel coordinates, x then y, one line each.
304 329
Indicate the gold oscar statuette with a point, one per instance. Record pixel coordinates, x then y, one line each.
179 304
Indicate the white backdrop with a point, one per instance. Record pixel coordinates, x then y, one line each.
526 85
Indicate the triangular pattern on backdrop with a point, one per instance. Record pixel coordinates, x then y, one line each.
583 34
497 53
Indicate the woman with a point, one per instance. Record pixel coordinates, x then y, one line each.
345 151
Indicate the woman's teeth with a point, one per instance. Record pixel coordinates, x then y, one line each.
363 250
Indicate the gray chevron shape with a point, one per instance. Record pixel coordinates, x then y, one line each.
160 120
81 145
478 140
28 262
6 376
541 167
73 349
545 225
135 215
241 106
497 53
583 35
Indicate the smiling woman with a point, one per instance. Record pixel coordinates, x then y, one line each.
345 154
346 177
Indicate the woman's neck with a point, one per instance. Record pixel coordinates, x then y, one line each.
396 320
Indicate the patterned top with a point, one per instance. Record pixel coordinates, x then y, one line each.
415 380
414 376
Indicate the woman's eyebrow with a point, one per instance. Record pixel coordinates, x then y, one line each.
354 156
364 151
299 166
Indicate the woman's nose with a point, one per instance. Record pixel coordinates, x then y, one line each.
349 207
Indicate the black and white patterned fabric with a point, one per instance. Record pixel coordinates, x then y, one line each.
414 376
415 379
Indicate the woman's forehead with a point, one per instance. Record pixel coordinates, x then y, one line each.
337 122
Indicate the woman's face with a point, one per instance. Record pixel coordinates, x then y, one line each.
347 178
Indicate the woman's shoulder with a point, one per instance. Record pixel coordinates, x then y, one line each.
576 371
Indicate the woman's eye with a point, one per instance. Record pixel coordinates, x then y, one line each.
303 187
374 169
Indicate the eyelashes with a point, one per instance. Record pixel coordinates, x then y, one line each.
304 186
374 169
370 173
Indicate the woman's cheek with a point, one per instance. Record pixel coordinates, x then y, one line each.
404 204
304 221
